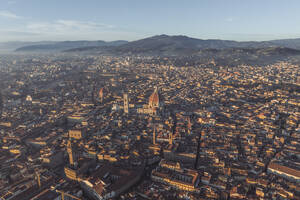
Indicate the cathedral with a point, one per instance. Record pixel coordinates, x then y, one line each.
155 104
154 99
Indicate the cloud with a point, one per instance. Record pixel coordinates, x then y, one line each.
8 14
63 29
67 26
83 24
13 33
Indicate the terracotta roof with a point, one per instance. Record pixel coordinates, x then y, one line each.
154 98
284 169
104 173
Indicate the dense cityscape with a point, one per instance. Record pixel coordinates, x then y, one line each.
149 100
133 127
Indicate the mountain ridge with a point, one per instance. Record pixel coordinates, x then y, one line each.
180 44
64 45
157 45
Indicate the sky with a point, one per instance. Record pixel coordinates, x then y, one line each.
57 20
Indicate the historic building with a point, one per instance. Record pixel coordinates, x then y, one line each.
155 104
173 174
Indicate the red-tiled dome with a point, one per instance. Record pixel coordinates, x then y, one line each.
154 99
101 93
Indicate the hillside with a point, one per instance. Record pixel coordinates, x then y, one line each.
65 45
165 45
186 49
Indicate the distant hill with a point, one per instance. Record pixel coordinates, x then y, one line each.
65 45
183 45
233 57
289 43
6 47
252 56
165 45
172 45
265 51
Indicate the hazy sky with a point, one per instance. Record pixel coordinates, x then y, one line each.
35 20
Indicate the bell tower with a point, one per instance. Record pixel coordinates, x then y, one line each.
170 138
72 156
125 100
154 136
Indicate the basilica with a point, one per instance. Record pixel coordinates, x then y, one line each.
155 104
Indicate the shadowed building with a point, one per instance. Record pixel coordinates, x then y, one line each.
173 174
289 172
76 134
109 182
72 155
77 166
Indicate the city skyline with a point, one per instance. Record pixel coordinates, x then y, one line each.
133 20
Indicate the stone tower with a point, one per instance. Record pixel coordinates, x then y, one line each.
125 99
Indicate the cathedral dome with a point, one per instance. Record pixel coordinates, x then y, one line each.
101 94
154 99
